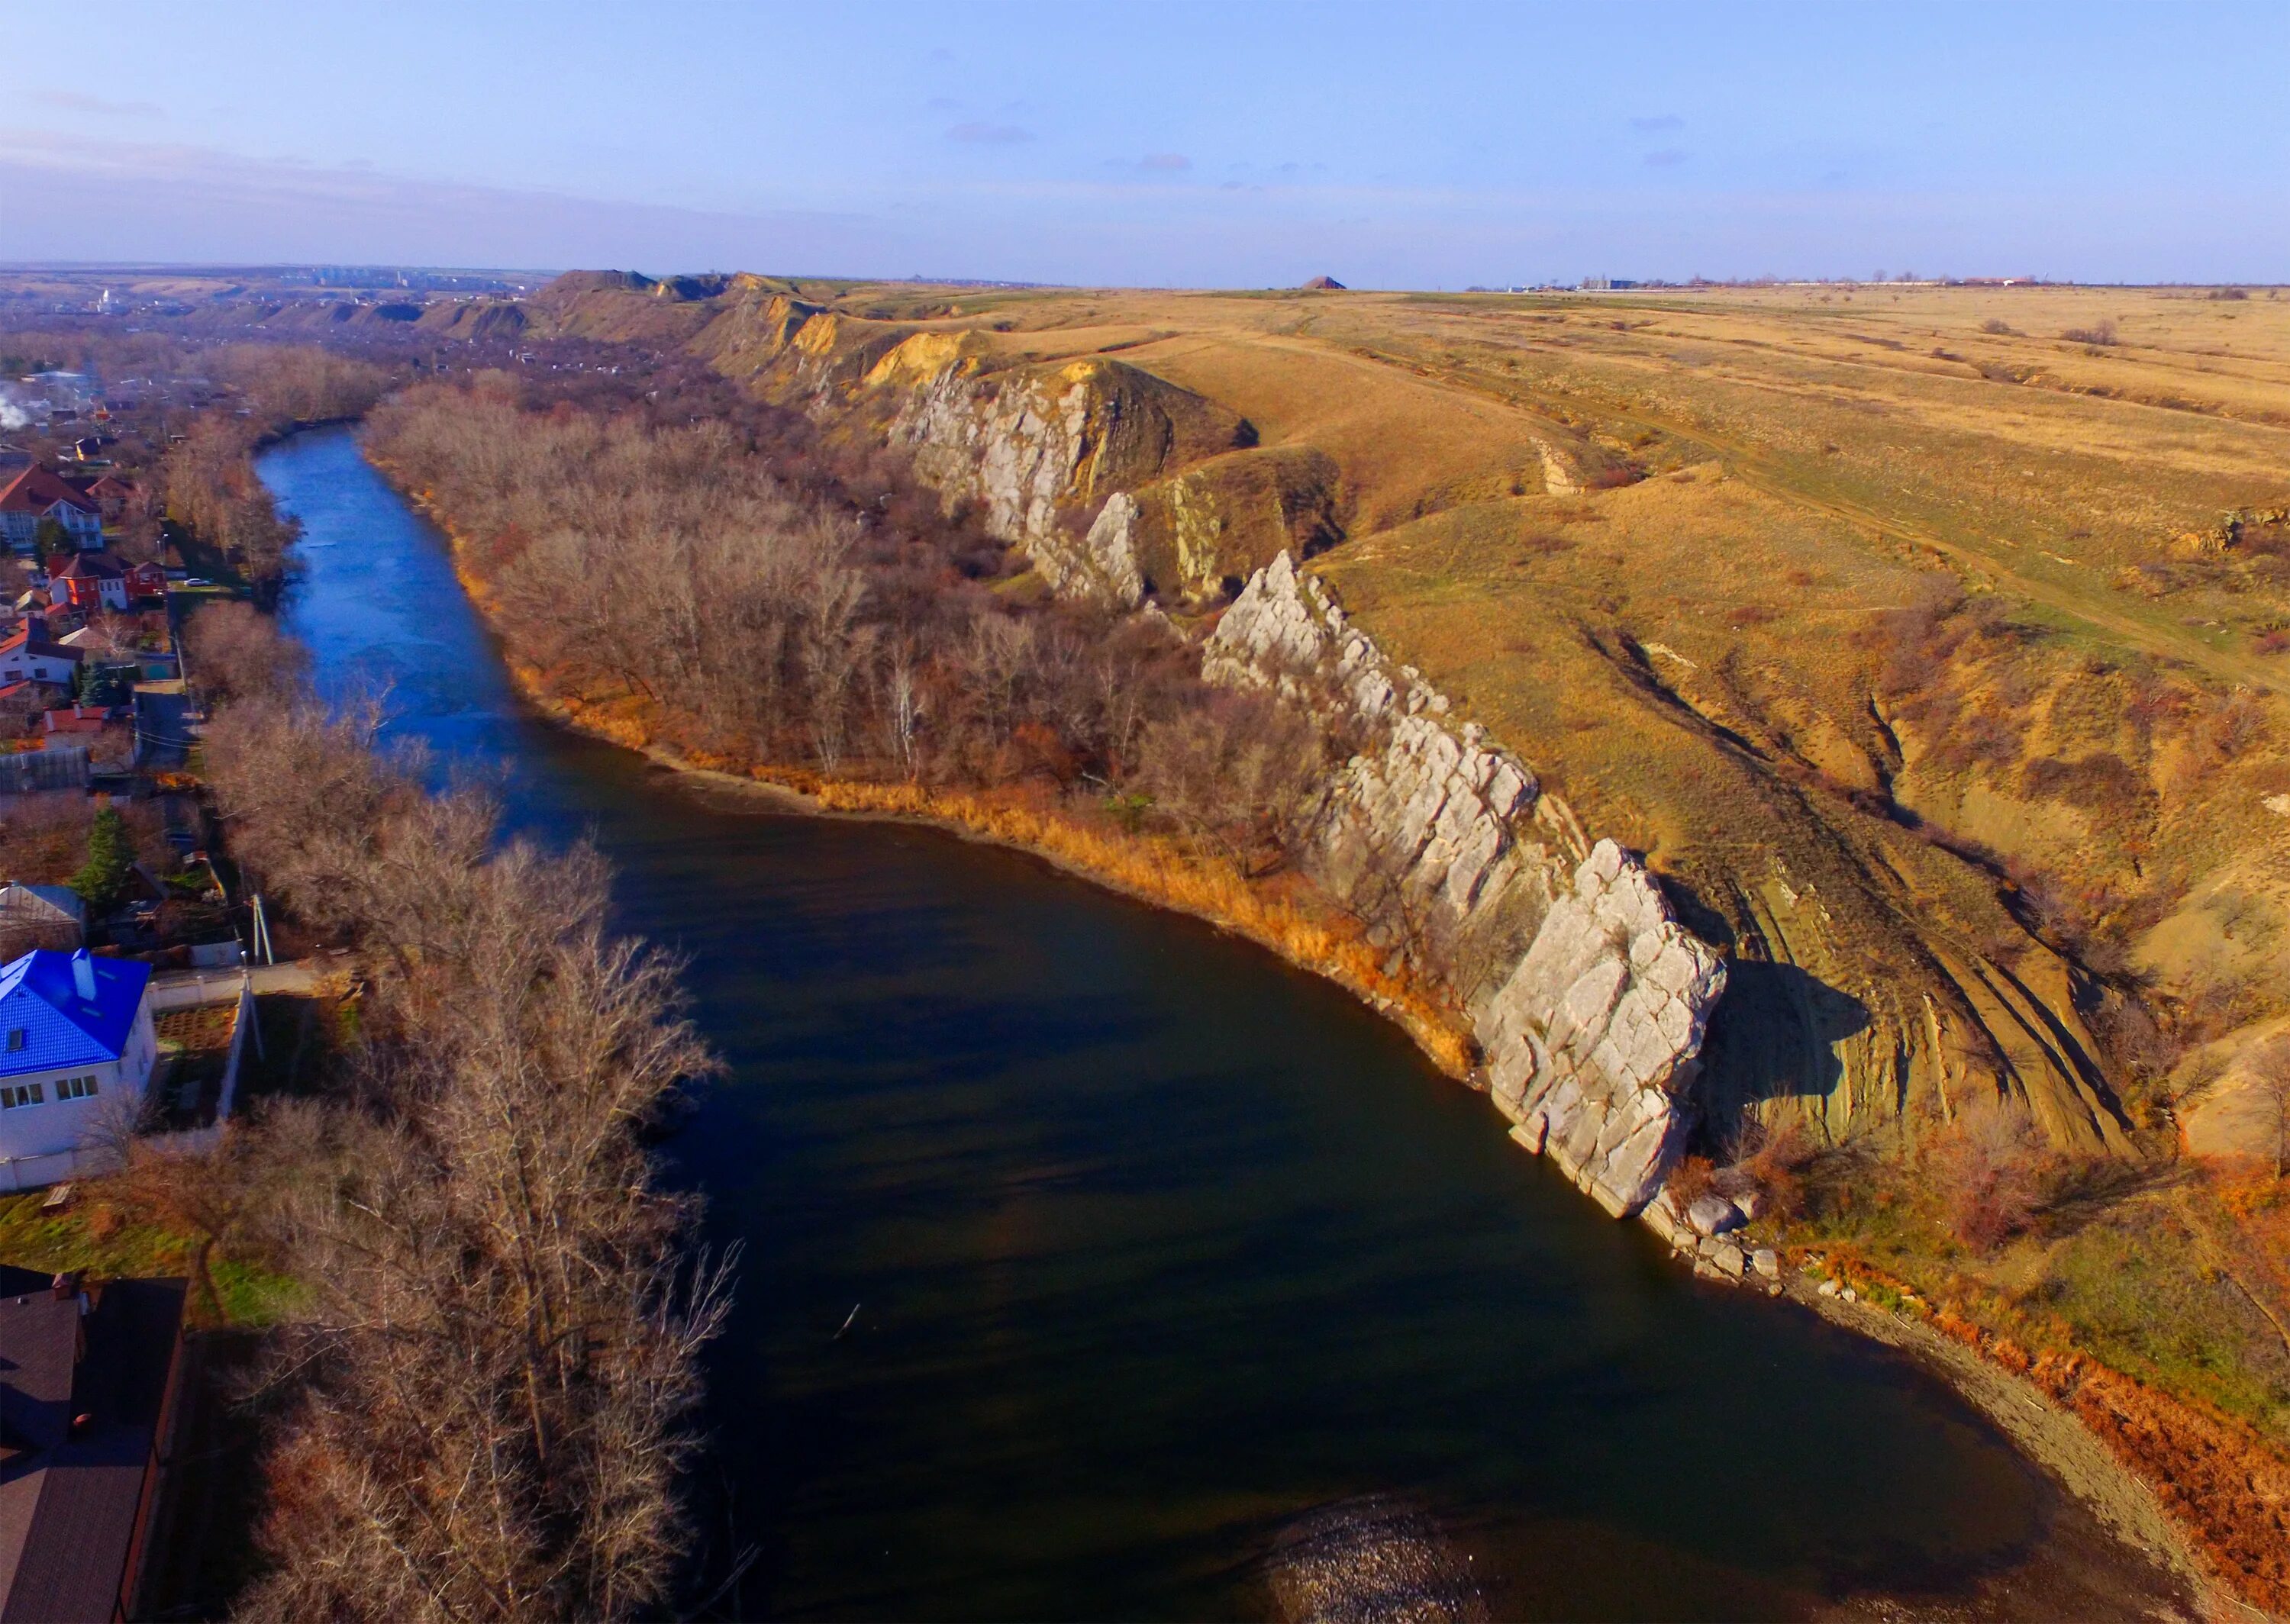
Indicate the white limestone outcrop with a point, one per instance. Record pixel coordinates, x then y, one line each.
1022 448
1038 447
1588 1001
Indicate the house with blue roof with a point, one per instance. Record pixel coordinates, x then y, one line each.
74 1032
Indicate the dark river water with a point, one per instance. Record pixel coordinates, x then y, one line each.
1155 1244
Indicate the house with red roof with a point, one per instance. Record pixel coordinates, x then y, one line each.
146 580
81 721
30 656
36 495
90 581
111 494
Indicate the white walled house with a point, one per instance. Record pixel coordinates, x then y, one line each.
28 657
36 495
76 1032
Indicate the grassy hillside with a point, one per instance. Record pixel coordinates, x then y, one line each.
1916 641
1934 644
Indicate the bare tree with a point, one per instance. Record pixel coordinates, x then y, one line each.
1991 1168
236 651
902 707
834 649
2270 1076
501 1350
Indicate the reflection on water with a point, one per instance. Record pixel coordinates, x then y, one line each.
1088 1250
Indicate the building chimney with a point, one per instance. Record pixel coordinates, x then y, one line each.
83 975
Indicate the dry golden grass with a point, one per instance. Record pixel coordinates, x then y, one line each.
1905 637
1711 644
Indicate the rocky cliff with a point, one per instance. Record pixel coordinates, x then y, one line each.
1588 1000
1118 485
1053 454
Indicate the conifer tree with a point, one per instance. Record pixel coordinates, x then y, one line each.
110 853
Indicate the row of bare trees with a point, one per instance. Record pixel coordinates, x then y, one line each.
207 488
483 1404
287 385
802 618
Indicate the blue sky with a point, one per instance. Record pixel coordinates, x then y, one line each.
1171 144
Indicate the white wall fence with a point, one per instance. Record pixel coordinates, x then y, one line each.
91 1161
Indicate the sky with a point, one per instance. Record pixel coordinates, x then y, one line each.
1250 143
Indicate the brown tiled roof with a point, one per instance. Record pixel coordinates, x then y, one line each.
35 491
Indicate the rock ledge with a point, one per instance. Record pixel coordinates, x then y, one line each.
1588 1001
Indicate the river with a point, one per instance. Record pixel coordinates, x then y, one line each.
1155 1244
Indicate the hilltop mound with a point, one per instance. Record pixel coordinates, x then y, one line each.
1323 284
576 282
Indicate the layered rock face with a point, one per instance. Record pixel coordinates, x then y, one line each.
1590 1043
1116 482
1588 1000
1033 445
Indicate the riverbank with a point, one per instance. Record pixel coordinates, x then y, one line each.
1286 917
2052 1434
2053 1437
1133 866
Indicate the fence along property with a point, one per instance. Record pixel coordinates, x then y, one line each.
26 771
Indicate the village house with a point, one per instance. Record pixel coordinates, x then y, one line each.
111 494
89 582
29 655
36 495
91 1380
54 622
76 723
74 1031
146 580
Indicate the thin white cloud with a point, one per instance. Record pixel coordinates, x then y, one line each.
79 101
978 131
74 198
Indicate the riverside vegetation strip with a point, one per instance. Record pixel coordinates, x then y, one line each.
476 1315
1866 1175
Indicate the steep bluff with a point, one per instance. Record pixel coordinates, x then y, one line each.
1117 484
1043 449
1588 1000
1856 1007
